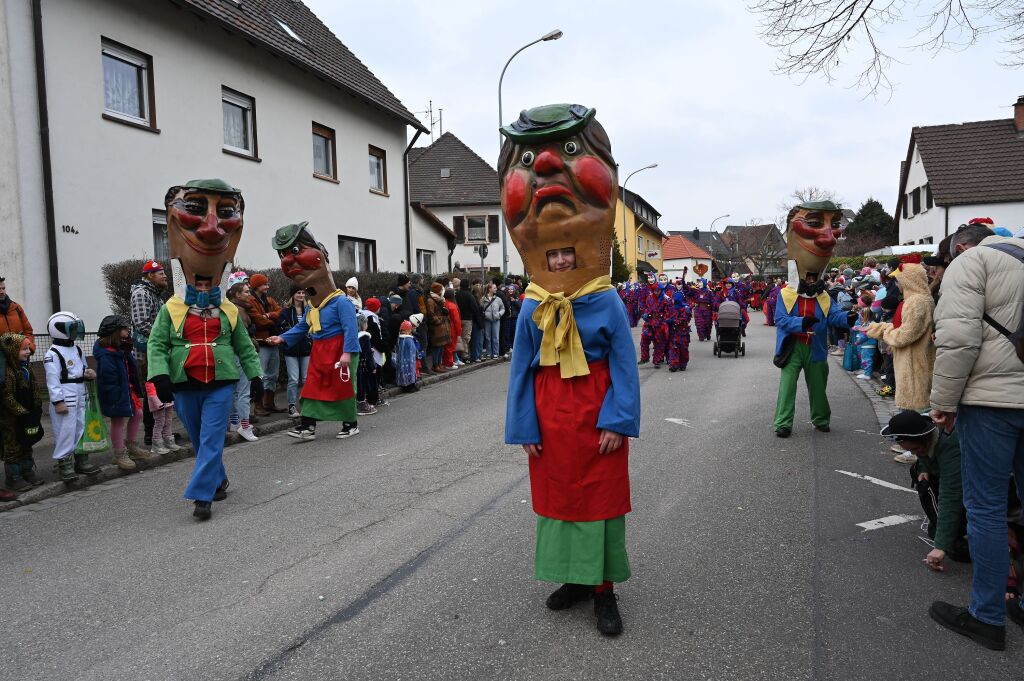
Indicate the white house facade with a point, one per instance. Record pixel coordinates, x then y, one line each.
142 96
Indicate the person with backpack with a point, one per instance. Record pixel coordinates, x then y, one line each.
978 386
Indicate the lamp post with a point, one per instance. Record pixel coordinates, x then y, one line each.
711 229
625 237
550 35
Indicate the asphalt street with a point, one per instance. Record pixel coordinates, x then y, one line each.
406 553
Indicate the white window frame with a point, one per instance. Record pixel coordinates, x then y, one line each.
381 156
639 244
422 256
160 234
360 266
482 239
247 104
139 61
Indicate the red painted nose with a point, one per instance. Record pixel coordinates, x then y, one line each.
210 232
548 163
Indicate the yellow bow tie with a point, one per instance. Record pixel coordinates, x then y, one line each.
560 343
313 316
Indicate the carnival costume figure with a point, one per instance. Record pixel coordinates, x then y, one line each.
679 341
573 397
771 300
329 393
703 310
657 306
197 343
805 312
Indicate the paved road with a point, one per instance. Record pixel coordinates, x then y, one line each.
406 553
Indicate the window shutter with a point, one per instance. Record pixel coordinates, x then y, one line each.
493 235
460 228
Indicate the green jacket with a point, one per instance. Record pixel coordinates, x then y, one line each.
167 350
945 463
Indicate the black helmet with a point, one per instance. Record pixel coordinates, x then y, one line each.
112 324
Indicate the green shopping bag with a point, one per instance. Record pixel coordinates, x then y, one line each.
96 438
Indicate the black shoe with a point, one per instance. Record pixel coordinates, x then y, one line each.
1014 612
222 492
18 484
963 622
609 622
569 595
643 361
783 432
823 429
657 366
203 510
673 369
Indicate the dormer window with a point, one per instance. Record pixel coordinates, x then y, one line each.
288 29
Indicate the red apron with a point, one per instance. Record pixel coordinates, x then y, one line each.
323 381
571 480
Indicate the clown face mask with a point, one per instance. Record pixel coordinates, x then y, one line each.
304 260
204 226
558 184
812 230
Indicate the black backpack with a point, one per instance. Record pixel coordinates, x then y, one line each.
1016 338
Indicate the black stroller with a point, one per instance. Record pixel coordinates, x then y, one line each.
727 330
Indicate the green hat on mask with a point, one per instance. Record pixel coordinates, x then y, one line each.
828 206
215 185
550 122
286 236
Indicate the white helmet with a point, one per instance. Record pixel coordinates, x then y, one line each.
65 326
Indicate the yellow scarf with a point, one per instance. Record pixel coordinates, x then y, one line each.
561 342
313 316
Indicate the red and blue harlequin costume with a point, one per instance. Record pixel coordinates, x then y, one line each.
703 309
629 294
734 294
679 336
656 310
770 301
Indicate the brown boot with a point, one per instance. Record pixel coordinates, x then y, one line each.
268 403
122 460
259 407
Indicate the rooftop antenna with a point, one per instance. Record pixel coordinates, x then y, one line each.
433 121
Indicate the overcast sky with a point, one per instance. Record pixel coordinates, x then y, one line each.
687 84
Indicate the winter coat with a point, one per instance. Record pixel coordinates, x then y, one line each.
117 379
469 309
286 320
146 302
17 399
913 353
437 321
14 320
975 364
492 308
944 463
454 320
264 313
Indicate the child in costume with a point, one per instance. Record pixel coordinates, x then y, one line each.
66 374
20 414
330 390
405 359
703 310
679 342
119 389
573 396
866 345
198 335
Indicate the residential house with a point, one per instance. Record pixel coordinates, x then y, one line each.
641 242
456 209
681 257
121 99
956 172
761 248
723 260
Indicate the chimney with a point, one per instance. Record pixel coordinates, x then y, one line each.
696 234
1018 115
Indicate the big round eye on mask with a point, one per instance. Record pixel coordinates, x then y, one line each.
571 148
527 158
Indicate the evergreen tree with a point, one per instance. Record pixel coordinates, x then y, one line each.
872 220
620 271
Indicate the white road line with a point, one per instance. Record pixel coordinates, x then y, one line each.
876 481
680 422
887 521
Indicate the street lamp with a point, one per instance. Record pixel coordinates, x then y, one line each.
625 237
712 227
550 35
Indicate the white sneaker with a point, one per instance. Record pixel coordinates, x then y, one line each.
171 444
347 431
897 449
864 376
906 458
159 447
248 434
233 427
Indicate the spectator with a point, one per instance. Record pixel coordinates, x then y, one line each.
263 313
163 419
866 345
476 341
296 358
20 414
413 302
493 309
978 384
469 315
514 304
13 318
503 334
373 357
440 333
240 420
405 358
120 391
450 357
352 291
391 325
147 297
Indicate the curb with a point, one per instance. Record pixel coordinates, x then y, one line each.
111 472
884 408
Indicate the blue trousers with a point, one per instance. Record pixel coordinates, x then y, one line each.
205 416
991 447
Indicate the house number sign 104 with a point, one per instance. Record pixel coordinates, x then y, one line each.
69 229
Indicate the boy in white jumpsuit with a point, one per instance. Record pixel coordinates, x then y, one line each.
66 373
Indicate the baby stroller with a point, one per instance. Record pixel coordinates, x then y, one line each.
727 330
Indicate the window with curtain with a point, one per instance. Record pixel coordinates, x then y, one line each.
425 261
476 228
378 170
323 152
126 83
161 247
239 132
357 255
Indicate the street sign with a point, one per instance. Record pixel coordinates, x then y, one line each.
483 251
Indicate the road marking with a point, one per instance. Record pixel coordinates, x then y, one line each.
876 481
887 521
680 422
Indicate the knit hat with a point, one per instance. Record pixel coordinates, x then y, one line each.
437 287
372 304
405 327
908 425
402 280
353 282
416 319
112 324
395 300
258 280
148 268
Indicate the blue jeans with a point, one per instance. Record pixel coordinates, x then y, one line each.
241 402
492 340
476 343
204 414
991 447
297 367
270 359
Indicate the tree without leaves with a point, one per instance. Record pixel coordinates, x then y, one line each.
816 37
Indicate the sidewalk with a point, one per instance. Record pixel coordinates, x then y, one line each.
884 407
268 424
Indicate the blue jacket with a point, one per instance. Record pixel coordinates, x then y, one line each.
787 322
116 376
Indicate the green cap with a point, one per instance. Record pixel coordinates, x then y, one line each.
550 122
287 235
828 206
214 185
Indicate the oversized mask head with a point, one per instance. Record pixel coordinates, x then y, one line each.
204 226
303 258
558 187
812 230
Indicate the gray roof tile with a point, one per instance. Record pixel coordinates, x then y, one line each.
471 180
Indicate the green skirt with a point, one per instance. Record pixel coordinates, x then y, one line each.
342 410
581 553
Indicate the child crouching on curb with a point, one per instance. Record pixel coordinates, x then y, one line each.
20 414
163 418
